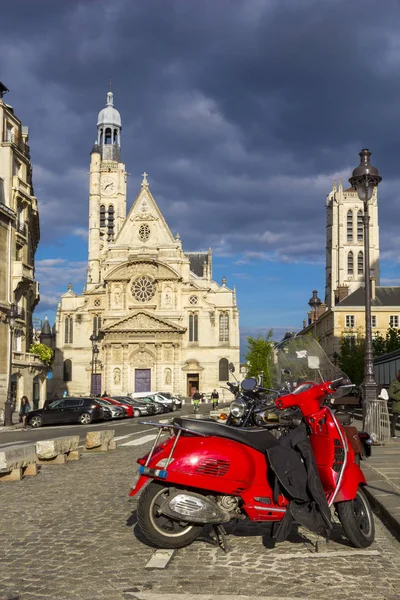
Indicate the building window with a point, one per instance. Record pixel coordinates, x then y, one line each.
350 226
17 340
96 324
350 264
360 226
224 327
394 321
108 136
67 375
102 216
373 321
360 263
110 230
223 369
18 252
350 321
68 337
193 327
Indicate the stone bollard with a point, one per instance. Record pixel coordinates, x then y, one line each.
58 451
100 441
17 461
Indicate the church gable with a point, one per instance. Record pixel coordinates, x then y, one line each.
145 226
143 321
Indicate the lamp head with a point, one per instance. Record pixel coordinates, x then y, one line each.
365 177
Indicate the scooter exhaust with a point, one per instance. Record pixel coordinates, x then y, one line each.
193 508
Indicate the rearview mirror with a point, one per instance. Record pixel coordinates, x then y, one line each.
313 362
248 385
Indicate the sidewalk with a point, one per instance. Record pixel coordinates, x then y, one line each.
382 472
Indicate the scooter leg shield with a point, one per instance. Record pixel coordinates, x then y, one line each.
193 508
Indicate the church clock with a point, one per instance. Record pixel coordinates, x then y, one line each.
108 186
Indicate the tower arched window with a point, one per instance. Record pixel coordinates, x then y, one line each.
350 264
108 136
360 263
69 331
67 370
110 229
96 324
360 226
193 327
101 140
350 226
102 216
115 136
223 369
224 327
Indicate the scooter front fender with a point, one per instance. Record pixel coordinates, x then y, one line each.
137 484
353 477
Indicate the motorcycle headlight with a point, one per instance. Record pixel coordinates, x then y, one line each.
237 408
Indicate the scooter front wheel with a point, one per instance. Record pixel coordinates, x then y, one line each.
160 530
357 520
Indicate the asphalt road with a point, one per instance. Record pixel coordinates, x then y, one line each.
123 427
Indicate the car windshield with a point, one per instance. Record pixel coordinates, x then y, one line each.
300 359
102 401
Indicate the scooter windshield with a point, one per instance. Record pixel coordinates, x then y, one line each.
301 359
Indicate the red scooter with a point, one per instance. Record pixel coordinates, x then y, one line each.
210 473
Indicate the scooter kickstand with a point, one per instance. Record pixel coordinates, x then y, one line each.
220 535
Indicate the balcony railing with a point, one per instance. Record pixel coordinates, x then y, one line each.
13 138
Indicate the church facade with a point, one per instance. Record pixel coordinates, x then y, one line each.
151 317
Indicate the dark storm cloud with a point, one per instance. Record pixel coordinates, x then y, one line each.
241 111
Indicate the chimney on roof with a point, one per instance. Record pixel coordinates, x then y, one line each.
373 288
341 292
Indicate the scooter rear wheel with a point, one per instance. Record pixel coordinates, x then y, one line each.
160 530
357 520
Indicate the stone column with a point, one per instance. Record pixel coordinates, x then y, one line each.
127 386
176 372
158 367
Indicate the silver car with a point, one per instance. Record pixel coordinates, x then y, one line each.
117 412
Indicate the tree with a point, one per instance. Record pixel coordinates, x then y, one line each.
45 353
259 356
389 343
351 359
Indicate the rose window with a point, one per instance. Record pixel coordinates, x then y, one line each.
144 232
143 289
193 300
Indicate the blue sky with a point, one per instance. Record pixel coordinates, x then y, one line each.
241 112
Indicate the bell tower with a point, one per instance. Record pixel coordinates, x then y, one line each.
107 189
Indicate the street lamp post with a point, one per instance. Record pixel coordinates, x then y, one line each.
11 316
315 303
95 351
365 177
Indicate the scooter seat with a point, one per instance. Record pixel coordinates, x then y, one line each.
259 439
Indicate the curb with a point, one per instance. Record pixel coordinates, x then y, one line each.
385 505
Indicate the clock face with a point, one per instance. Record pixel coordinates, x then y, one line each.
108 186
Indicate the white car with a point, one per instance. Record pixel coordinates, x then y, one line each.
157 398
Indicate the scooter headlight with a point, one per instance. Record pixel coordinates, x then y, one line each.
237 408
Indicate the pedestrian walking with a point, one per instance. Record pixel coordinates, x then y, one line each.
214 398
23 411
394 395
196 397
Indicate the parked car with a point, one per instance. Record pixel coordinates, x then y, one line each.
176 401
66 410
140 406
111 410
128 407
165 403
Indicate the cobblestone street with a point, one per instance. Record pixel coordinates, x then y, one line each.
70 533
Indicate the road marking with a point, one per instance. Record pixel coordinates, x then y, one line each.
331 555
13 443
143 440
122 437
160 559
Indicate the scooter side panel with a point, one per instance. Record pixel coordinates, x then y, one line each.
210 463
